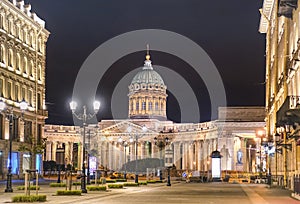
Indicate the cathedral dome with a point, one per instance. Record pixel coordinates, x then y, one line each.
147 94
147 79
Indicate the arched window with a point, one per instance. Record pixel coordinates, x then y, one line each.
2 21
25 66
30 69
162 106
10 58
39 44
137 106
18 62
39 73
2 54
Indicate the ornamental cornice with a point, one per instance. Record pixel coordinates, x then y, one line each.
267 10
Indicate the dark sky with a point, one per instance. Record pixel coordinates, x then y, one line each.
226 30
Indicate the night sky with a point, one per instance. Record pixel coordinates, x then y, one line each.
226 30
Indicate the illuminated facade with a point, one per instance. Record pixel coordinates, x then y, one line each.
23 40
190 144
280 21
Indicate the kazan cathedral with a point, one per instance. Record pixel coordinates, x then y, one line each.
187 146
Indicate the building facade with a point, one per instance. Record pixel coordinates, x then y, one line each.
188 146
23 38
280 21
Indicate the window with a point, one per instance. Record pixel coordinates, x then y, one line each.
2 21
150 105
143 105
29 97
18 62
39 73
1 127
9 90
25 66
17 93
39 101
137 106
23 93
30 65
1 87
156 106
10 58
2 54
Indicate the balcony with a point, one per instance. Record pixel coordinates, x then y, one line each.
289 112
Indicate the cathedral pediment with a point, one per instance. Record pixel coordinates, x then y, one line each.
123 126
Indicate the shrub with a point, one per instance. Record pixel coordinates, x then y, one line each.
111 181
158 181
76 183
31 198
115 185
121 180
151 181
57 185
131 184
72 192
143 183
96 188
31 188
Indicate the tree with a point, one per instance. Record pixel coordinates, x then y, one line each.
33 147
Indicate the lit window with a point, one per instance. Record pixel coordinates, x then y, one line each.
156 106
150 105
143 105
137 106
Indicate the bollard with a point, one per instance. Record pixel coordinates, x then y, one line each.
37 183
26 183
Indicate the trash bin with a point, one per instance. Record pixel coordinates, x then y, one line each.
103 180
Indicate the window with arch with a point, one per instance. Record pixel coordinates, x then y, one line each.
39 45
1 87
17 92
143 105
30 69
2 54
25 66
137 106
150 106
18 62
29 97
162 106
9 84
156 106
10 58
2 20
39 73
23 93
31 39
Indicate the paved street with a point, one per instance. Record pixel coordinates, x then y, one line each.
178 193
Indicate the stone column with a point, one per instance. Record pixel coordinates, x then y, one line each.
142 150
54 145
177 155
48 151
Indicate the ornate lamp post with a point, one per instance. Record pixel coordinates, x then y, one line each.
84 117
137 136
161 143
9 112
124 144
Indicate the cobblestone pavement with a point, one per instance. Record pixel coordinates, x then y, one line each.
209 193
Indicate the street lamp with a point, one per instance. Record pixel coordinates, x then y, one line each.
84 117
161 144
10 115
124 144
129 129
